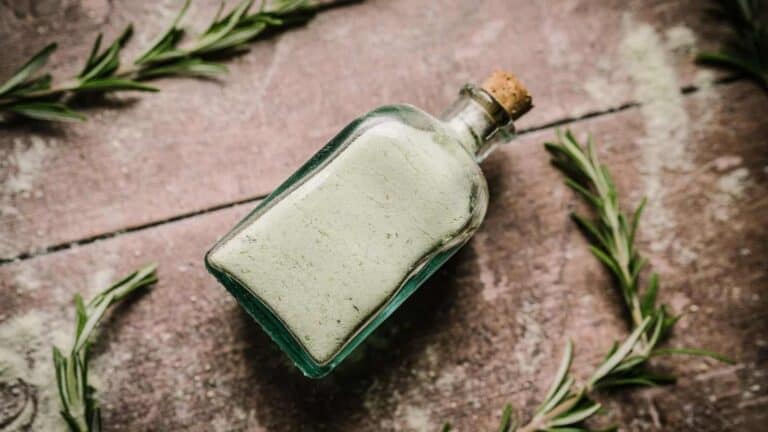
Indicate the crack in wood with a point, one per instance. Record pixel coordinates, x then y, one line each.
45 250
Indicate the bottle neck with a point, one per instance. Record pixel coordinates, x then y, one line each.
476 119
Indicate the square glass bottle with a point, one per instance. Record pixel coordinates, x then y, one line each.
335 249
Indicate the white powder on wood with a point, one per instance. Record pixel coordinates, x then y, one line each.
19 168
450 378
730 188
527 349
680 38
25 163
607 86
412 418
705 101
734 182
26 279
727 162
25 356
494 285
100 280
683 254
599 89
657 89
560 51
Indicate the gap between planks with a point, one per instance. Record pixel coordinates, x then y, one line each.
46 250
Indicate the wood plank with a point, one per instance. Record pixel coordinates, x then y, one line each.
201 144
486 330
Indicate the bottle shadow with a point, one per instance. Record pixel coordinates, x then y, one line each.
329 402
435 314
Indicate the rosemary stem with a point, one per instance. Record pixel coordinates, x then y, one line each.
540 422
130 73
59 90
33 95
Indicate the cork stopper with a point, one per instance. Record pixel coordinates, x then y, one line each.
509 92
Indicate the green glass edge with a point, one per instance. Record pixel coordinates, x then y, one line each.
263 314
277 331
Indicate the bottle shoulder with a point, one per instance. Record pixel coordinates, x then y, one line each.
400 119
386 127
424 142
408 115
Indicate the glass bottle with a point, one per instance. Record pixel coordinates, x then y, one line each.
335 249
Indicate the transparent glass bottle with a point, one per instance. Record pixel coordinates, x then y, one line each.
335 249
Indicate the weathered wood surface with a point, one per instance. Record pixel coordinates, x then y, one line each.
487 329
202 144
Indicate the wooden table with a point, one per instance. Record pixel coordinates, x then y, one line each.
158 177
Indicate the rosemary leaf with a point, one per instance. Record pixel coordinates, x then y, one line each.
746 50
42 82
629 363
575 417
219 29
558 397
624 349
186 66
643 378
104 64
560 377
692 351
649 298
112 84
165 45
92 56
658 327
46 111
28 69
508 422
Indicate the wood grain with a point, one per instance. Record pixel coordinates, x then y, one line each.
201 144
484 331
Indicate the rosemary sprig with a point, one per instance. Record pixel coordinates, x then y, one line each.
612 233
568 404
33 95
78 403
747 48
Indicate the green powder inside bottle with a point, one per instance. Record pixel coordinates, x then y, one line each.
332 252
